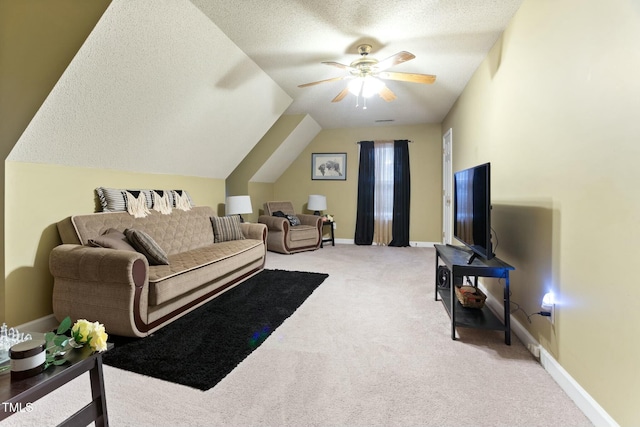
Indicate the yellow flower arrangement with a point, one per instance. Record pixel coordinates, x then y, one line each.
83 332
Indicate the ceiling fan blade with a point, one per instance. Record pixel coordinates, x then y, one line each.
386 94
408 77
341 95
396 59
334 79
339 65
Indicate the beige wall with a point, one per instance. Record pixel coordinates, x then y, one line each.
237 182
260 193
295 184
38 41
554 108
38 196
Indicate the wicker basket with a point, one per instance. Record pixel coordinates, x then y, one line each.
470 297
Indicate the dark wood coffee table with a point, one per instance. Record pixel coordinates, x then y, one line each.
19 395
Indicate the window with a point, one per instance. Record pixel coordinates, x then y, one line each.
383 193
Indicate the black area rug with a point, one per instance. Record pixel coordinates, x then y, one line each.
202 347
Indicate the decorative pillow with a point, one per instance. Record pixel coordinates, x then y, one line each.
115 199
181 200
226 228
293 220
146 246
136 202
112 239
161 201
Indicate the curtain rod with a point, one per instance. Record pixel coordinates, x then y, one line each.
388 140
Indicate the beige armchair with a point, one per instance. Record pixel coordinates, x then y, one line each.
285 238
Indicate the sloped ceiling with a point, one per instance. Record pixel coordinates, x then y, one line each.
287 151
145 94
289 39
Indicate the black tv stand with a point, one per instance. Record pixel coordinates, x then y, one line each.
457 261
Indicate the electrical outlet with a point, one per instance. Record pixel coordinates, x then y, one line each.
549 306
335 225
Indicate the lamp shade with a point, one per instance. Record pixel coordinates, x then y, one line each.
317 202
238 205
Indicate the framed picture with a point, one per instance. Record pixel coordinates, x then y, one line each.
329 166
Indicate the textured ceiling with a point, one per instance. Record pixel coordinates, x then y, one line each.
144 94
289 38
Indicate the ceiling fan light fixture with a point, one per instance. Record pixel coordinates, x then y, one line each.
366 86
366 72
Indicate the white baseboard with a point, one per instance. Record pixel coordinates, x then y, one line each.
43 324
424 244
344 242
583 400
411 243
596 414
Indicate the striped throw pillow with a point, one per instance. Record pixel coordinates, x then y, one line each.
226 228
115 199
146 246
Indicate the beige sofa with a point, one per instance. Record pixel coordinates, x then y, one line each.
286 238
120 289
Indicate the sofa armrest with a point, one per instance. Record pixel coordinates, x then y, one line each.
274 223
106 285
254 231
89 264
313 220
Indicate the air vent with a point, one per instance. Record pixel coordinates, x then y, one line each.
385 121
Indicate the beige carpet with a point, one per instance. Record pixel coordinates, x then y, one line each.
370 347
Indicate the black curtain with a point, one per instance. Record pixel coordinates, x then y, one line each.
401 193
366 186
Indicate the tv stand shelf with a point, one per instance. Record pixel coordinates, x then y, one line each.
456 259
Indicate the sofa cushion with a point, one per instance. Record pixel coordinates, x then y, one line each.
177 232
190 270
226 228
146 246
112 239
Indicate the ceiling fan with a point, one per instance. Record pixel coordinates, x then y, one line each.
365 74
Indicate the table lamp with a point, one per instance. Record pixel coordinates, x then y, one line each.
238 205
317 203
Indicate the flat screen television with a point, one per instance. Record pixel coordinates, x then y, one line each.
472 210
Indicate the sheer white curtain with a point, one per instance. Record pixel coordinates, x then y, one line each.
383 193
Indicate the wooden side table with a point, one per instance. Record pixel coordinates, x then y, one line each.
332 239
18 395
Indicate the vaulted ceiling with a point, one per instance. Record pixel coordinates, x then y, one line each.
189 87
288 39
